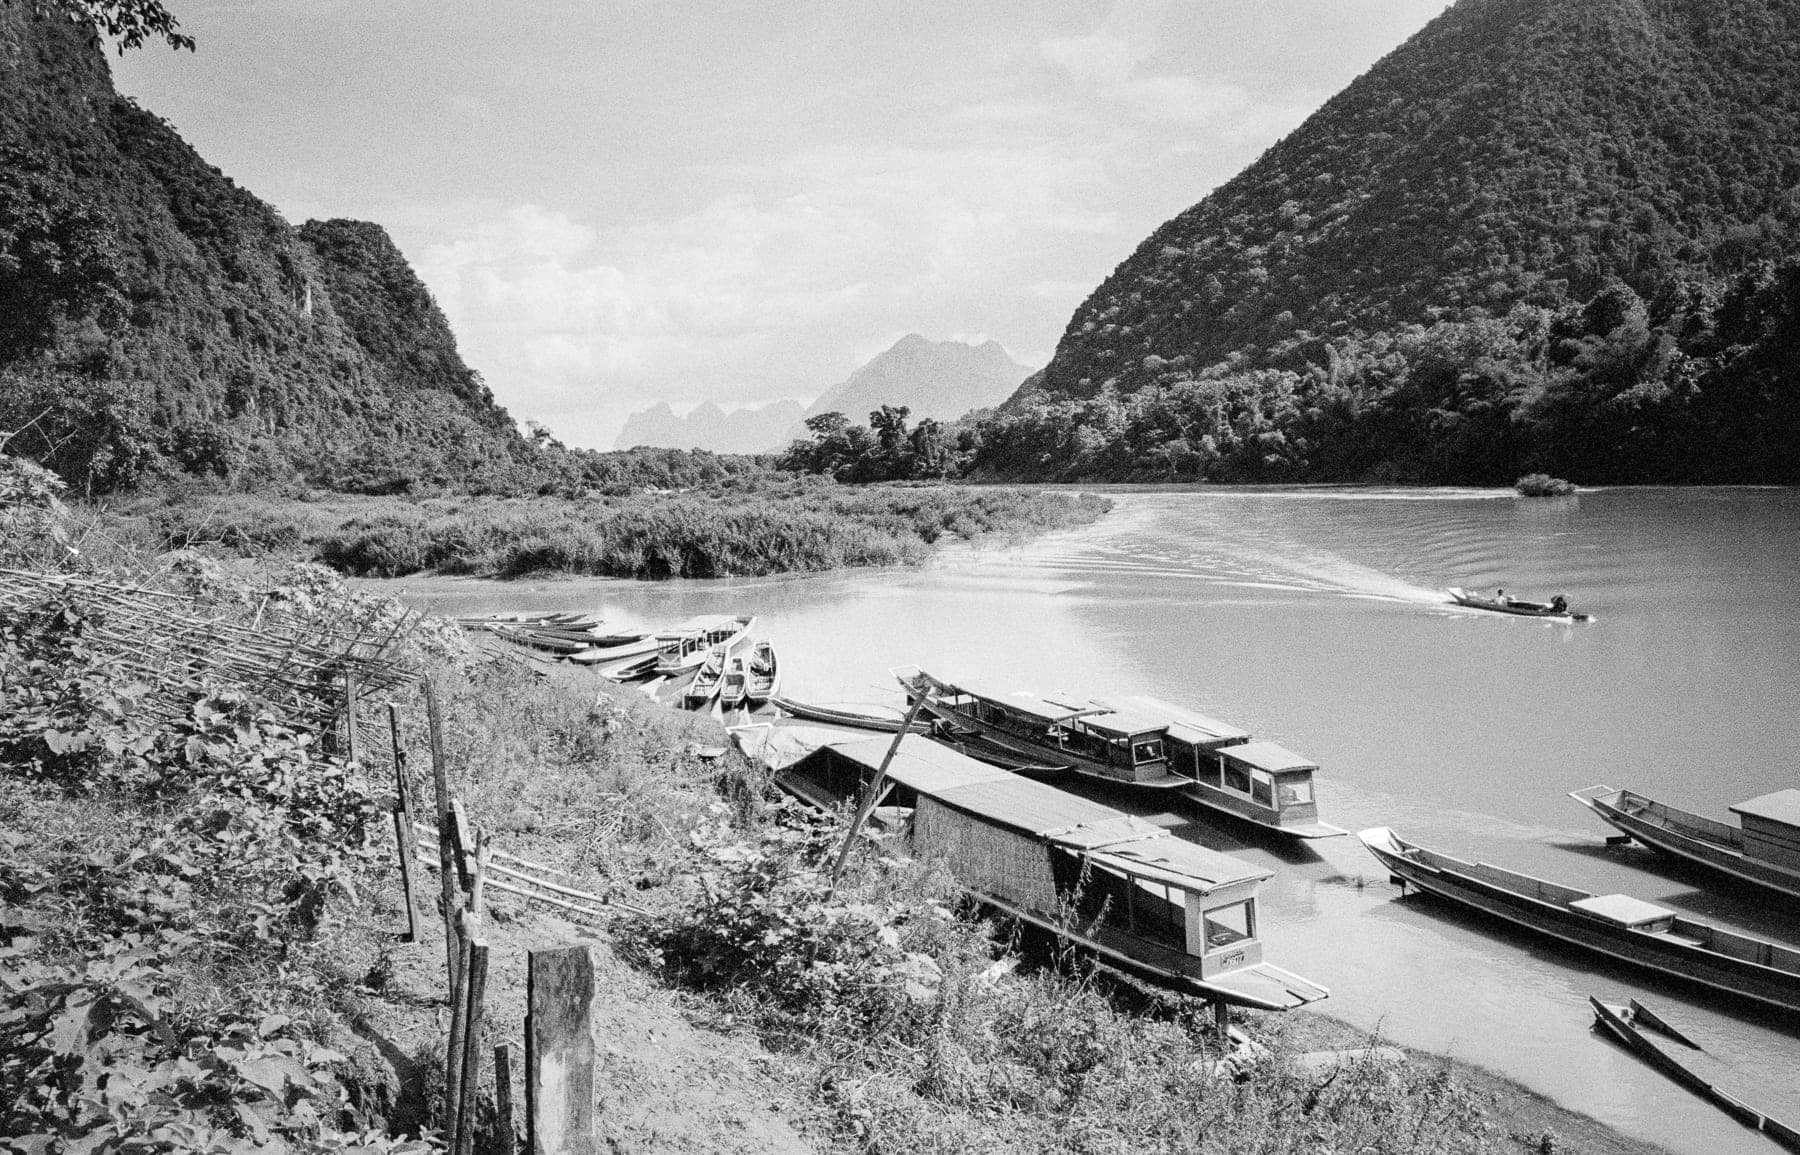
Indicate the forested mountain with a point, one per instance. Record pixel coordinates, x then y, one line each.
762 429
938 379
156 318
1541 233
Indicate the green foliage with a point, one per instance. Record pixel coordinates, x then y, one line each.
242 841
1697 385
129 22
883 450
1543 485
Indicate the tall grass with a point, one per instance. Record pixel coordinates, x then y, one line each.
741 527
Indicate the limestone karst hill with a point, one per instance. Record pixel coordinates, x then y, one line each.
156 318
1512 150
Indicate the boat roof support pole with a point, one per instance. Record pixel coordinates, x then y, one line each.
873 794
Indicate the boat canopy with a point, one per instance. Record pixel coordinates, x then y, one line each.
1267 756
1783 806
1120 725
1125 843
1186 725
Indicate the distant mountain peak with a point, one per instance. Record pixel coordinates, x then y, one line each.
937 379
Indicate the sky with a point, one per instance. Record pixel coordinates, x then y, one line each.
620 202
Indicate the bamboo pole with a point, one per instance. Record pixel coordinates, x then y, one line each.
353 740
403 843
453 1052
874 792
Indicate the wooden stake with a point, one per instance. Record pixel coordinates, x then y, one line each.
402 782
482 854
403 844
508 1137
471 1064
559 1053
459 1030
464 837
873 795
447 867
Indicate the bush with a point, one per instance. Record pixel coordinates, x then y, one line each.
1543 485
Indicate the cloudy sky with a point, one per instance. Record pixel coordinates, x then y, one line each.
624 201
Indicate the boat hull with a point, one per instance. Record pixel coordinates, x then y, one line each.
1475 601
1672 954
1691 837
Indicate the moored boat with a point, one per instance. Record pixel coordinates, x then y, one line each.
688 644
734 687
596 653
763 673
853 719
708 678
1617 925
1763 849
1557 607
1138 742
1148 903
1656 1041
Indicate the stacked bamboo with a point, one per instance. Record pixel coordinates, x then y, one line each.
298 666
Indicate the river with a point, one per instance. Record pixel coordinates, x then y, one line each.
1315 617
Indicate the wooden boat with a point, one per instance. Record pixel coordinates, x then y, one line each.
1616 925
688 644
734 687
708 678
1763 849
1650 1037
1126 890
631 669
595 653
1136 741
1473 600
764 674
853 719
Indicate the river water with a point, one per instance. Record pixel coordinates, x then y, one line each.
1316 617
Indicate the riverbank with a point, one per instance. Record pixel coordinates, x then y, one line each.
238 876
744 526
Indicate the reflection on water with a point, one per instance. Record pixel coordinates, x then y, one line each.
1316 617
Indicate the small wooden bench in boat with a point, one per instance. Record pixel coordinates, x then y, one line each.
1143 900
1764 849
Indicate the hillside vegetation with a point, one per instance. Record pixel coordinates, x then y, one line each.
1542 233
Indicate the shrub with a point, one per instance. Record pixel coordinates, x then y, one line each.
1543 485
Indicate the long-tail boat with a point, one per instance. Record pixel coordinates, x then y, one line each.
1763 849
1134 741
1616 925
1131 893
688 644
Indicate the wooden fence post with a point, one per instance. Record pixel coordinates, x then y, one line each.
404 846
508 1138
459 1033
559 1053
447 857
471 1064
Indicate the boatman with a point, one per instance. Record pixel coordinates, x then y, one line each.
1500 596
1559 604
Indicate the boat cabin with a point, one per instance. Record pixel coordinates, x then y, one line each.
1772 828
1140 897
1626 911
1260 780
1111 743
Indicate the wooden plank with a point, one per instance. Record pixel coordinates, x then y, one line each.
507 1137
472 1049
559 1053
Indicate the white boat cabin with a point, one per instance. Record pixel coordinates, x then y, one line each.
687 643
1125 888
1772 828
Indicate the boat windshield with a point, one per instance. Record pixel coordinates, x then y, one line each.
1293 791
1150 750
1226 925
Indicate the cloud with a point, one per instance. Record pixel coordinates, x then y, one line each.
1184 99
751 295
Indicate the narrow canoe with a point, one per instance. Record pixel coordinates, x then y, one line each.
1475 601
1616 925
